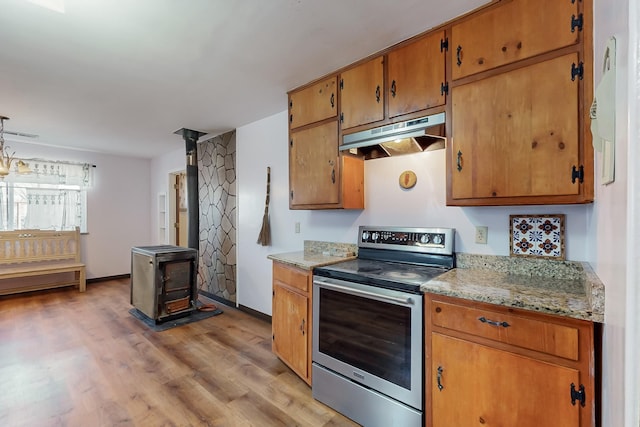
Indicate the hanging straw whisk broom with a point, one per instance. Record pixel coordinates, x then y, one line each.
264 238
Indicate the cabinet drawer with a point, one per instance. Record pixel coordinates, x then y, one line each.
291 276
515 329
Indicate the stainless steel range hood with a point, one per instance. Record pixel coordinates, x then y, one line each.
411 136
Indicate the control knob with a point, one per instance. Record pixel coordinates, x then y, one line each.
437 239
424 239
375 236
365 236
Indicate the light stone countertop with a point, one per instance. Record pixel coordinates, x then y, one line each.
564 288
307 261
317 254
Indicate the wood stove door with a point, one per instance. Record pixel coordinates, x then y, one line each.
178 284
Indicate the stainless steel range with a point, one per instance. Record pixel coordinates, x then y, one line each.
368 324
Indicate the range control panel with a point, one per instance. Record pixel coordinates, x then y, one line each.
428 240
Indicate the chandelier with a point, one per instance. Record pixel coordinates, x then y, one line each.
5 158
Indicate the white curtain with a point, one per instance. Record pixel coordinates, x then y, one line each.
52 196
59 209
55 173
4 206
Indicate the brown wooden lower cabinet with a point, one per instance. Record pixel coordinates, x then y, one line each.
291 318
496 366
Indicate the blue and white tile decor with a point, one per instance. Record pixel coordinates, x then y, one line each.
539 236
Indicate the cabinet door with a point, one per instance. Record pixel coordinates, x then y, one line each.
416 73
290 328
482 385
362 94
314 103
513 31
313 166
517 133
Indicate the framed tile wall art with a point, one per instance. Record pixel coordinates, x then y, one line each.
538 236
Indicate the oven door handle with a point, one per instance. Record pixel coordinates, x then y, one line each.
366 294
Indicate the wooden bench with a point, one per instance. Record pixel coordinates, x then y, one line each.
46 253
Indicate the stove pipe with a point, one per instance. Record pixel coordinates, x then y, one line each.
193 209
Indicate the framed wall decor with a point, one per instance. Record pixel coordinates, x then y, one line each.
537 236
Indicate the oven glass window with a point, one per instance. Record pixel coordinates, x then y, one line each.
370 335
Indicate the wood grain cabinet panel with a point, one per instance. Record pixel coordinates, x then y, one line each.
362 94
313 165
481 385
520 94
320 177
487 364
416 75
291 318
552 338
516 30
516 134
314 103
293 277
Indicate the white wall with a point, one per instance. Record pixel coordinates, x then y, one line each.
632 334
264 143
612 223
610 217
118 206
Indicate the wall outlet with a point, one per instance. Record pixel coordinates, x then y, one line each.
297 227
482 233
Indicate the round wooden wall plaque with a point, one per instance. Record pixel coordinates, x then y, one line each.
407 179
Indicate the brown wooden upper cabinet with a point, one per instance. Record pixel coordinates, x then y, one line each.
362 94
314 103
516 133
519 132
417 75
313 165
513 31
319 177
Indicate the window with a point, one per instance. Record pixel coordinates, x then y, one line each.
52 196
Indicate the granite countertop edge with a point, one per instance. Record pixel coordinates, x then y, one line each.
308 261
568 288
317 253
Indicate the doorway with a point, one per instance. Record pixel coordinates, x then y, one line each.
178 209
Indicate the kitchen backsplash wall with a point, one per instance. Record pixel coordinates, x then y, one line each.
217 194
264 143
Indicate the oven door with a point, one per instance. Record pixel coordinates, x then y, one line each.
370 335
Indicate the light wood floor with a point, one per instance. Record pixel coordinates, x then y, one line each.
80 359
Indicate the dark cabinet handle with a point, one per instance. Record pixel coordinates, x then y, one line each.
378 93
459 55
493 322
439 378
393 88
459 161
302 327
333 175
332 101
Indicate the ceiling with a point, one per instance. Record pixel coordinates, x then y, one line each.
120 76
